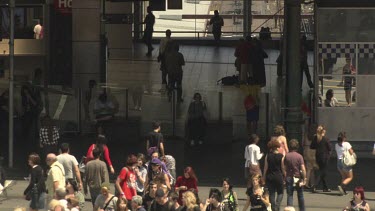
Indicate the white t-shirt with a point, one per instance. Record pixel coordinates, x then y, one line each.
252 155
340 150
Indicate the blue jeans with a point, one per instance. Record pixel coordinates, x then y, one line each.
290 189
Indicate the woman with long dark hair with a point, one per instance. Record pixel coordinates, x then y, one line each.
36 185
274 174
230 198
72 190
187 182
141 173
346 172
322 154
101 143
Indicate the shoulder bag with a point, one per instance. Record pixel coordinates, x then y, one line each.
349 159
106 205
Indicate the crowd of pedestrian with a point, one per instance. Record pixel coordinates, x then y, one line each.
149 181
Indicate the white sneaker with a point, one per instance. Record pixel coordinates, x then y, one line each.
192 143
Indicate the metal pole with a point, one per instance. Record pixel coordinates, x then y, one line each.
267 95
79 110
126 103
220 106
11 78
293 29
174 101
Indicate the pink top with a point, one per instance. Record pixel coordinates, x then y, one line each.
90 156
282 148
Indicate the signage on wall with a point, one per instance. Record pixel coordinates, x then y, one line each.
63 6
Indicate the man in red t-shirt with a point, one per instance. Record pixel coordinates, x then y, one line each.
126 181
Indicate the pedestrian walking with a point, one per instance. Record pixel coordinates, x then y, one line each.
149 29
346 172
274 174
36 190
252 157
101 145
304 64
70 164
323 152
95 175
55 176
174 60
105 201
126 181
155 140
279 133
140 172
309 155
295 174
217 22
163 50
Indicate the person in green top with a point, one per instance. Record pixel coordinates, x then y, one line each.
229 196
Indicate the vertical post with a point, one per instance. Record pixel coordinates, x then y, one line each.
174 102
79 110
267 95
46 46
126 103
11 80
316 70
293 29
220 106
247 17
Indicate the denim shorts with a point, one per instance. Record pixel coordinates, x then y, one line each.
341 166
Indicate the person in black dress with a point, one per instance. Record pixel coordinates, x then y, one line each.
257 196
322 154
36 185
274 174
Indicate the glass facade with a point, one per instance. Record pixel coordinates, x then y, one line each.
346 63
192 21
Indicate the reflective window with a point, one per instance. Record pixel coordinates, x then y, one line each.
26 21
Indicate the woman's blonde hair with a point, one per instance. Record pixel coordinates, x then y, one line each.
190 200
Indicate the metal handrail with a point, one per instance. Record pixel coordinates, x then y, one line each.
273 16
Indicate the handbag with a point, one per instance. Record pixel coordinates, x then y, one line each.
32 192
349 159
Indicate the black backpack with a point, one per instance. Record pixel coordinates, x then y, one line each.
228 80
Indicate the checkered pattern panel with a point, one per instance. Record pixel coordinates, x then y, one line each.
366 50
327 51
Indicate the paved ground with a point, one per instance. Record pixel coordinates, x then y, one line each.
314 202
